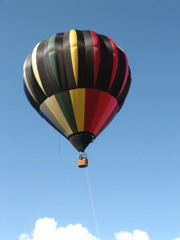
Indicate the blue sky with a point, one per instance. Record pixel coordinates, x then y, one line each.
134 164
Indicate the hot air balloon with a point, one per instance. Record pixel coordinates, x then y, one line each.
77 81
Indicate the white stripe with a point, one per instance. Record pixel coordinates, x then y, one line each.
35 68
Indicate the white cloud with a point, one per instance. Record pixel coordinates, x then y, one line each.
46 229
135 235
24 236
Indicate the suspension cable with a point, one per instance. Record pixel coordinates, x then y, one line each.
92 204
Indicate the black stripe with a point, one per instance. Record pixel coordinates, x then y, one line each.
120 74
31 99
60 62
106 61
89 53
125 91
81 60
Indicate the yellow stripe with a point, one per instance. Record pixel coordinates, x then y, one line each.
57 114
74 53
35 69
78 102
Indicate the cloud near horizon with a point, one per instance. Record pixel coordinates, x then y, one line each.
46 229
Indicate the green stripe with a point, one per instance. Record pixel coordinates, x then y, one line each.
65 104
52 57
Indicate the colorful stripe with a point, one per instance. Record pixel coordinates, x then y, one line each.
78 103
79 110
74 53
77 81
52 57
53 112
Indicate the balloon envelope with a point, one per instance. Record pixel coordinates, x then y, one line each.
77 81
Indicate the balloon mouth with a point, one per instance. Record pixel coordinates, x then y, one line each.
81 140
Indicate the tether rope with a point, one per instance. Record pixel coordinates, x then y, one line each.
92 204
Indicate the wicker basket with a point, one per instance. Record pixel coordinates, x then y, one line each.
82 163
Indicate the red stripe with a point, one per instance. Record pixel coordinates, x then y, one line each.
100 108
96 45
109 119
115 61
104 110
91 99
